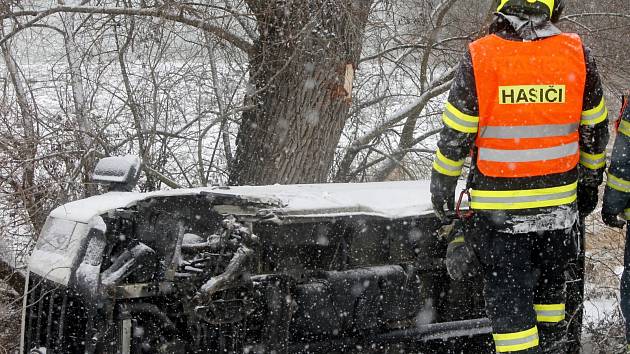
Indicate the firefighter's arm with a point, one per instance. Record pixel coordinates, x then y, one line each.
617 194
461 119
593 139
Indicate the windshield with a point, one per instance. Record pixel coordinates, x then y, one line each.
56 235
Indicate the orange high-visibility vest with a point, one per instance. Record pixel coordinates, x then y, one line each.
530 104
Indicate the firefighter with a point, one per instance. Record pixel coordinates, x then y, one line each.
529 99
617 201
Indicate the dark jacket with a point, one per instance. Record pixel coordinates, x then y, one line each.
616 197
456 146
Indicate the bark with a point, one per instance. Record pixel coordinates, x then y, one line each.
298 86
83 138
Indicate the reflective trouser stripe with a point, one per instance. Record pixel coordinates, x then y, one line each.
523 199
624 128
626 213
513 342
618 183
458 120
446 166
531 155
595 115
527 131
593 161
550 313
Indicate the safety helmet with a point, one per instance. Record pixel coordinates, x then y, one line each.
552 9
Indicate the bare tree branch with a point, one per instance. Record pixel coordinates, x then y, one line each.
203 24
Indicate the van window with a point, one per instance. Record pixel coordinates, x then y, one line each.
56 235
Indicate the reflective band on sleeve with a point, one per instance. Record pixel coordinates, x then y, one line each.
624 128
593 161
618 184
446 166
626 214
459 239
513 342
531 155
550 313
595 115
459 121
527 131
523 199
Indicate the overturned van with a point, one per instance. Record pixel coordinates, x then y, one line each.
273 269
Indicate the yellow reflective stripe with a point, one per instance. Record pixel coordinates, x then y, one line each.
626 214
624 128
525 192
595 115
617 183
503 2
524 205
446 166
512 342
459 239
593 161
549 3
524 199
458 120
444 171
552 313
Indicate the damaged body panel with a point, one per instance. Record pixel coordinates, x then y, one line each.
290 269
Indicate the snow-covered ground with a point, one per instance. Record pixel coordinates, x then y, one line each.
603 325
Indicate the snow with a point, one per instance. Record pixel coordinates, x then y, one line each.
380 199
600 309
89 275
97 223
560 218
116 169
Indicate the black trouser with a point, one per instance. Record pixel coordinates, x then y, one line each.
524 289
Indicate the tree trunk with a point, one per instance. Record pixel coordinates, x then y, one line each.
301 75
25 188
84 127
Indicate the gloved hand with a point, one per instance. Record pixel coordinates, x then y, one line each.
461 261
587 200
613 220
443 192
438 202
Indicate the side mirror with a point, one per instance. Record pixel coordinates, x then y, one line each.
121 173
